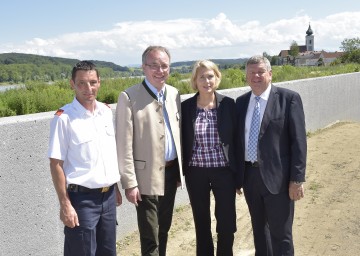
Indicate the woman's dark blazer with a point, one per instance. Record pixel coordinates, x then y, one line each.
226 122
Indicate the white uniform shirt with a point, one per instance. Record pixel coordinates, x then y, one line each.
85 141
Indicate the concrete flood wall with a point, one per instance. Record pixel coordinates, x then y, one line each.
29 212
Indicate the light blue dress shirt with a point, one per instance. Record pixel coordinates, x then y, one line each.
170 149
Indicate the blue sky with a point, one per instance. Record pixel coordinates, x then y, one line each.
119 31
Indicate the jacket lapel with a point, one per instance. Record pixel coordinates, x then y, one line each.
193 109
148 90
269 110
243 110
218 98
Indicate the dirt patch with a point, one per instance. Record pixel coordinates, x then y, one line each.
327 220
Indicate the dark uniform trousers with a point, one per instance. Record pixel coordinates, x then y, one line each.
154 214
96 235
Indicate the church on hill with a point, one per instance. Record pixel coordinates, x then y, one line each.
307 55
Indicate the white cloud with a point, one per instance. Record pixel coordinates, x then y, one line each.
191 39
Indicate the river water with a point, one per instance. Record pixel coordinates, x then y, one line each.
5 87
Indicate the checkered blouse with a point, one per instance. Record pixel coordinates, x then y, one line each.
207 149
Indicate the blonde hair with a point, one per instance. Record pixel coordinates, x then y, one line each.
208 65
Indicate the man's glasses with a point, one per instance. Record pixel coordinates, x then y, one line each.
156 67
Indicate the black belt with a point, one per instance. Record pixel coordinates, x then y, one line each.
170 163
78 188
251 164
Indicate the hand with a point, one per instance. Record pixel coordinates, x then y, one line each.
118 196
296 191
133 195
69 216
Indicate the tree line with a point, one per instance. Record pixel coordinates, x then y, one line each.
20 68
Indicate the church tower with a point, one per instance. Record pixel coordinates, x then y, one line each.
309 39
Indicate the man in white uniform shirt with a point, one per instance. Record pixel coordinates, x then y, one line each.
84 169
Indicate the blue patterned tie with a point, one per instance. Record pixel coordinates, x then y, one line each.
254 132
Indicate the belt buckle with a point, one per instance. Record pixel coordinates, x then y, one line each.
73 188
105 189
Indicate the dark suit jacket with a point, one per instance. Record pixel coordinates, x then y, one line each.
226 122
282 139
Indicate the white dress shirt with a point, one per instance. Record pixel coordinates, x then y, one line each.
85 141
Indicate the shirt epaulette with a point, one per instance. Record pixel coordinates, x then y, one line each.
59 112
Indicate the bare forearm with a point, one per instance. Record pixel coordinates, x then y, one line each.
67 212
59 180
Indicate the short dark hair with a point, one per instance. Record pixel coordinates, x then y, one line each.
154 48
83 65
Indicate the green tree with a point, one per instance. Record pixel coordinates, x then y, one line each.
321 62
293 52
4 76
267 56
274 60
294 49
351 48
350 44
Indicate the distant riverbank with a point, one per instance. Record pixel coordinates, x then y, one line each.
4 87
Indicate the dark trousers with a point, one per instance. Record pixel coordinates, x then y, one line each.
154 214
96 234
271 216
199 183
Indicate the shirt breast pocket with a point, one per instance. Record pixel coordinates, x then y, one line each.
85 147
110 130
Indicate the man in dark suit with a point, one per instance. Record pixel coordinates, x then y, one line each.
272 136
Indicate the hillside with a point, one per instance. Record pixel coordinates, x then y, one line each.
220 62
21 68
39 60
